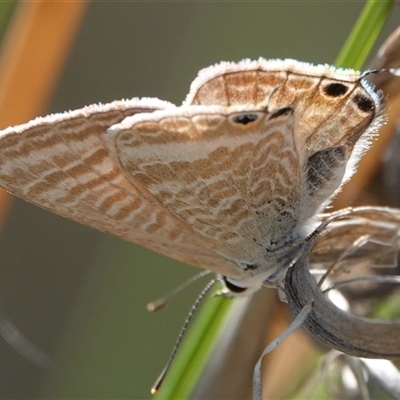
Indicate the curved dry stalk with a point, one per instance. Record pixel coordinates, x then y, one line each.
351 334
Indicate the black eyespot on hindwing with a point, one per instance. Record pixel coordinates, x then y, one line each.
335 89
245 118
363 102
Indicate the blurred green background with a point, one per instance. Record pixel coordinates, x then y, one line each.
80 295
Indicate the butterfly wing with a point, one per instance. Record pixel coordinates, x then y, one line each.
336 112
60 164
254 151
232 177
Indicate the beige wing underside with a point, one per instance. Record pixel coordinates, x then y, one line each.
290 82
334 108
59 163
236 185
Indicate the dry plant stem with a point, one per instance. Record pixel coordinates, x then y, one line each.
31 60
289 358
340 330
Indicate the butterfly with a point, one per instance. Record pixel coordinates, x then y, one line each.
230 181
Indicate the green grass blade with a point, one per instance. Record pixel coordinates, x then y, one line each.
364 34
6 10
196 349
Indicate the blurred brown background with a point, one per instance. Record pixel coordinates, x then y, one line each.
80 295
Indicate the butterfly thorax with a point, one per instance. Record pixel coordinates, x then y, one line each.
269 271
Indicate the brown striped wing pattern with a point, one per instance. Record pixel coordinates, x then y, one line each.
59 163
236 172
256 150
216 170
335 114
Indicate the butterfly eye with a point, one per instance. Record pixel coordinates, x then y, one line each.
363 102
335 89
245 118
234 289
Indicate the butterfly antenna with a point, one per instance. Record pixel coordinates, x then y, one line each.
163 301
393 71
192 311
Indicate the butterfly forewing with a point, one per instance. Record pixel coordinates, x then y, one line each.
61 164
